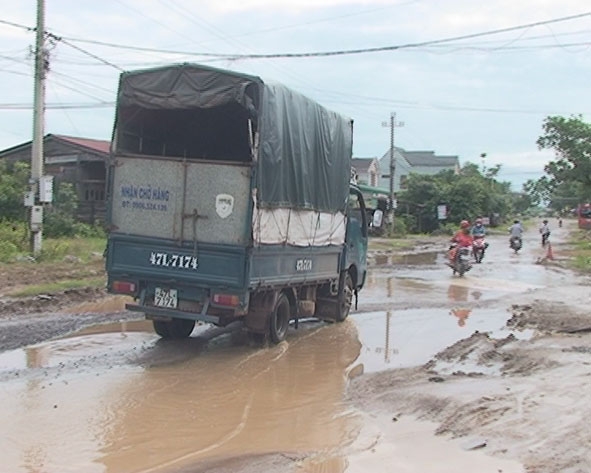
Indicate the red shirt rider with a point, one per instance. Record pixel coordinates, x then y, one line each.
462 238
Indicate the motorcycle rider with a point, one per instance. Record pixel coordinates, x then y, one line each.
515 230
478 229
478 232
461 238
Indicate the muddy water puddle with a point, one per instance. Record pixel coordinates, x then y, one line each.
416 289
405 338
411 259
116 398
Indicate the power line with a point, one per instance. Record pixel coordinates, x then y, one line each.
62 106
64 41
83 51
234 56
337 52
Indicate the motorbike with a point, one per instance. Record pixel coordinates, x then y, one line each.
462 262
515 243
478 248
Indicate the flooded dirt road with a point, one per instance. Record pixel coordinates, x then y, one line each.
352 397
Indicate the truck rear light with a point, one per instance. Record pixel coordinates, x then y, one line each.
226 300
123 287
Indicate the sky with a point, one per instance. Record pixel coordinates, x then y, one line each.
462 77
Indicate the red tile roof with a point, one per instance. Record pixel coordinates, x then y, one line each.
101 146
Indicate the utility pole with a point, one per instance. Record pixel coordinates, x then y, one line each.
393 124
41 63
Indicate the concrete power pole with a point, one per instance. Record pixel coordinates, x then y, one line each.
36 214
393 124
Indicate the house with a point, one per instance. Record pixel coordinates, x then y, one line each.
80 161
366 171
418 162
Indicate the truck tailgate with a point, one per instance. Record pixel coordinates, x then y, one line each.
159 260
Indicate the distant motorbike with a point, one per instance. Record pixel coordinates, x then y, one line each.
515 243
478 248
461 262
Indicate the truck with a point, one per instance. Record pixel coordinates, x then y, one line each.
230 200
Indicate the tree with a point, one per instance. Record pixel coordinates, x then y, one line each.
570 138
13 184
60 218
468 195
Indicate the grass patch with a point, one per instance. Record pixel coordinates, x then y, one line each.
56 249
581 252
60 286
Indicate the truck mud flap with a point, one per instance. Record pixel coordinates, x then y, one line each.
261 305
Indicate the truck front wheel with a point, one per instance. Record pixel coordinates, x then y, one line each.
279 319
175 328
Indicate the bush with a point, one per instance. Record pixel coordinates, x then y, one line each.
446 229
8 251
14 239
400 227
58 224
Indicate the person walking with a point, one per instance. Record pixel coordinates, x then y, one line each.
545 232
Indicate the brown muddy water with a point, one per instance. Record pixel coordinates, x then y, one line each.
116 398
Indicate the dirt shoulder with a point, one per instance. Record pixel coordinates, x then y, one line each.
26 320
525 399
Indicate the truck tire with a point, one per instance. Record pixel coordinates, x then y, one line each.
279 320
161 328
345 297
175 329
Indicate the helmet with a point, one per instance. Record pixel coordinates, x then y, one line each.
515 221
478 221
464 224
545 221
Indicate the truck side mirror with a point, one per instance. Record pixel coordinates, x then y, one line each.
378 217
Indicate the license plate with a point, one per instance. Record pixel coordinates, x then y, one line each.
166 298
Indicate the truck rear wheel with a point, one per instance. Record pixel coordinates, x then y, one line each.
175 328
279 321
345 298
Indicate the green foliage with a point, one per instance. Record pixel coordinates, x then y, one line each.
54 250
14 179
582 251
60 218
468 195
8 251
13 240
568 177
84 249
400 228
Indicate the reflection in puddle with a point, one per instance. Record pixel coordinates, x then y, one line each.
412 259
462 313
406 286
115 398
406 338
